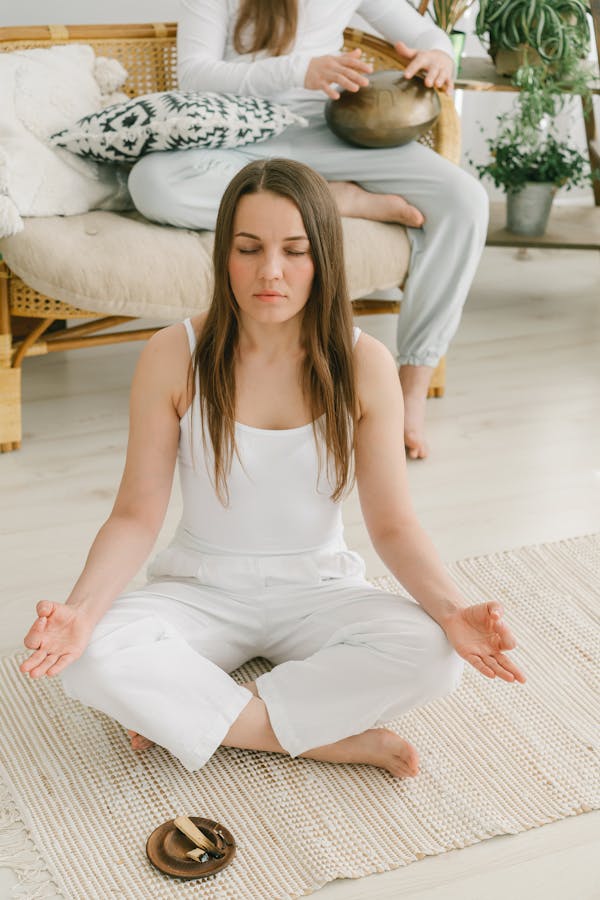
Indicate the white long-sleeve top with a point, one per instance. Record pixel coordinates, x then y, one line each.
207 60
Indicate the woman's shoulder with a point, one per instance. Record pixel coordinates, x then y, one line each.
375 370
172 339
165 359
369 352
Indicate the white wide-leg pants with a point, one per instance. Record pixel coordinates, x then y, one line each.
346 657
184 188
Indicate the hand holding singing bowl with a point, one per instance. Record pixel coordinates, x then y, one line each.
390 111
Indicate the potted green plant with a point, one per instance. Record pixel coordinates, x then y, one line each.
549 40
530 169
554 32
445 14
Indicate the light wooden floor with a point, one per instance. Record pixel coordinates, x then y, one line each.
515 460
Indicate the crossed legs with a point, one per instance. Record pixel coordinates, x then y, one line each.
346 660
378 747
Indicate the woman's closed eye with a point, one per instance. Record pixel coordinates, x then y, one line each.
288 251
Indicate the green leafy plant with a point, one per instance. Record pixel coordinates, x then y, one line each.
516 159
554 38
556 29
543 93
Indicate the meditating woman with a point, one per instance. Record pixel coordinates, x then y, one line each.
288 51
271 402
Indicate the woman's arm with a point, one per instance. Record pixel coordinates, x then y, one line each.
397 21
476 631
201 38
61 632
127 537
421 45
382 482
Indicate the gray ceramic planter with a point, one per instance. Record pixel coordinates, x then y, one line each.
528 210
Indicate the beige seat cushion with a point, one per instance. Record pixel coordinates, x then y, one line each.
124 265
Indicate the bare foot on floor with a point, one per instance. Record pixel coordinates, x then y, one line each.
138 741
383 748
354 201
414 427
415 384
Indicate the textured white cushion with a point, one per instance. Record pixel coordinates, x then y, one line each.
43 90
122 264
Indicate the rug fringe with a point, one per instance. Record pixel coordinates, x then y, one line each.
18 852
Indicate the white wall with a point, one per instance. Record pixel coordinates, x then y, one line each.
477 108
86 12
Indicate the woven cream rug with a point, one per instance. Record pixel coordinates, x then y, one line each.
77 804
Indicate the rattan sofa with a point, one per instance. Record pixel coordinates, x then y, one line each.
107 268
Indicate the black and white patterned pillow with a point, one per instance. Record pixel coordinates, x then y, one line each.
174 120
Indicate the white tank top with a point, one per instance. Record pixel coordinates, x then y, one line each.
279 506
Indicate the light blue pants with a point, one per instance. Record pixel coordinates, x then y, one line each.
184 188
346 657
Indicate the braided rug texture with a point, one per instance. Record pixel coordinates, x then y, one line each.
77 805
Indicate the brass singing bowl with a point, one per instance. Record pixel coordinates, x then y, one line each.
388 112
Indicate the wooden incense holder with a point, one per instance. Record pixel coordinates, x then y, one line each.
168 847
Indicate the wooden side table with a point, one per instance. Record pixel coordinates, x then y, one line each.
577 227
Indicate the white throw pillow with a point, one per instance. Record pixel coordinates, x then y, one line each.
44 90
175 120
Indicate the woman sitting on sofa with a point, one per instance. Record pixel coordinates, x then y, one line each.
287 51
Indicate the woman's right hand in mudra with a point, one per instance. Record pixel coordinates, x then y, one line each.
58 636
345 69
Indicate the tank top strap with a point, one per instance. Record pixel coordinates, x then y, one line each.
191 335
355 334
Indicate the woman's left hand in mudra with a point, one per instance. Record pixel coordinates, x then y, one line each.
479 635
437 66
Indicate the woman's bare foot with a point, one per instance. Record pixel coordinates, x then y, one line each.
375 747
138 741
415 384
354 201
414 428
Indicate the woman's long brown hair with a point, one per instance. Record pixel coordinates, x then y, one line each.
271 24
328 373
